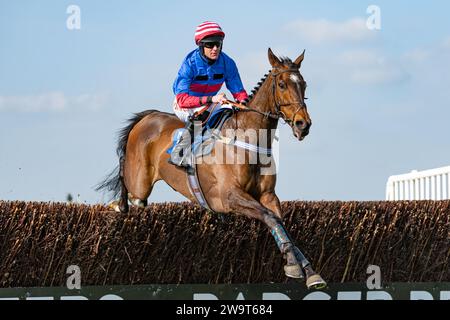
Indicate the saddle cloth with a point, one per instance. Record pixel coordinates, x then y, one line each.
204 142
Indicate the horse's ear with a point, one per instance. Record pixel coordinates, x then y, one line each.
274 61
298 61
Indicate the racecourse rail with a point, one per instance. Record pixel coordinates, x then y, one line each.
431 184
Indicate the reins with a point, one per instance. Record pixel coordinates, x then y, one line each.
245 108
276 116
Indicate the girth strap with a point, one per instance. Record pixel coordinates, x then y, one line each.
194 184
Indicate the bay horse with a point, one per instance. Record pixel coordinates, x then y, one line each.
230 188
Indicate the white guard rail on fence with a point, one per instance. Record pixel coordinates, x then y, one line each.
431 184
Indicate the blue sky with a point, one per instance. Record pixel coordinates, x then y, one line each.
379 99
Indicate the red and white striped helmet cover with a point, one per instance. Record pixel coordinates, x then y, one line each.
207 29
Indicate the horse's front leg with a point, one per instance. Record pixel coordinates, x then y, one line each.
270 201
242 203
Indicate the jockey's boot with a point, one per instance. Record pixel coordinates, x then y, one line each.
181 153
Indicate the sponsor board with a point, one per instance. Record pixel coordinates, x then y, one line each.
337 291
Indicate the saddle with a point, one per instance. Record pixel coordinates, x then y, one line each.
218 118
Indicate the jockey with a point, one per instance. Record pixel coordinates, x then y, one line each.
202 74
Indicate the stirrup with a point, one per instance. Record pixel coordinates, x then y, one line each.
189 170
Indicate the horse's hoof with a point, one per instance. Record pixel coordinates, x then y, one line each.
315 282
123 207
114 205
294 271
136 201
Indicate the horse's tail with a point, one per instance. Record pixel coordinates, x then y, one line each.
114 182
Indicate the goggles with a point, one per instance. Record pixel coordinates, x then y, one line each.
211 45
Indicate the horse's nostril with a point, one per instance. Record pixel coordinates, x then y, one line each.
300 124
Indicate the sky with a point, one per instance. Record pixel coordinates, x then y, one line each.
379 99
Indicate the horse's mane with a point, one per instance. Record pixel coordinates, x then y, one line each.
286 61
258 86
251 96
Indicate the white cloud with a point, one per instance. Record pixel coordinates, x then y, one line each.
446 43
91 102
429 73
432 53
369 67
360 57
377 75
323 31
361 67
417 55
52 102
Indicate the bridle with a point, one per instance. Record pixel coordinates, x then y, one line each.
278 113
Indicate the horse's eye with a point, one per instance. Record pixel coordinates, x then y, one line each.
282 85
